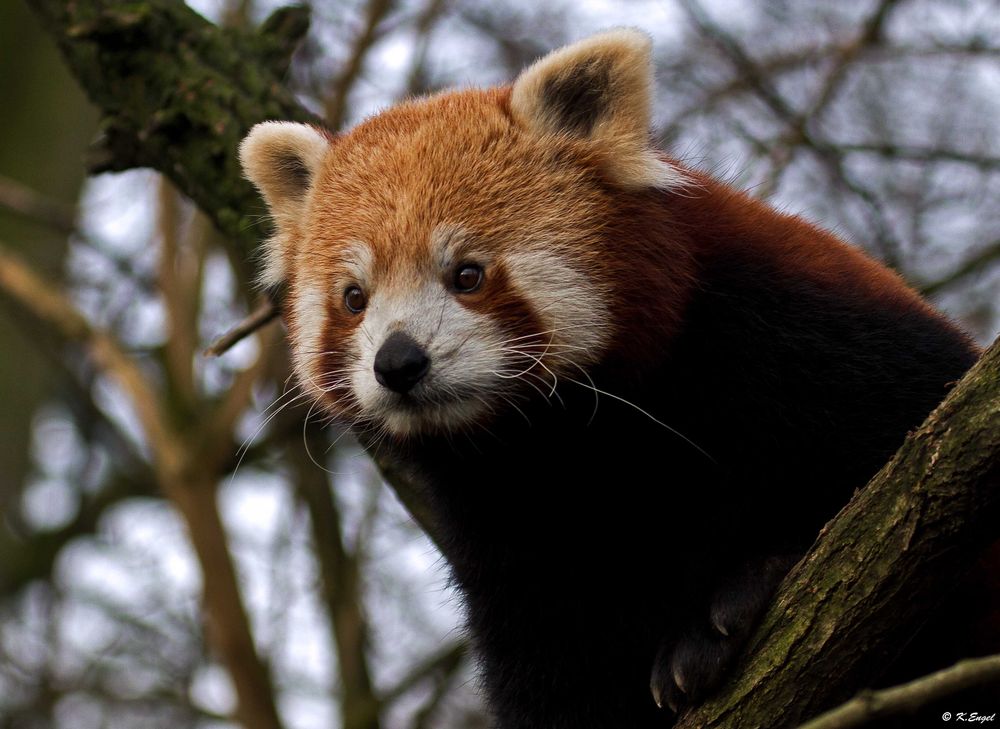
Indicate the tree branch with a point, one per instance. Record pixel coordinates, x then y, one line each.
798 133
265 313
31 205
974 265
868 706
878 569
190 488
445 662
178 94
336 105
340 573
44 302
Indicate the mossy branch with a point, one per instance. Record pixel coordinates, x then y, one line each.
878 569
178 93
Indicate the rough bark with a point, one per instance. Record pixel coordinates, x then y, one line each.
878 568
178 94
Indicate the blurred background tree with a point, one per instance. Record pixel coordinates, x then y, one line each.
177 548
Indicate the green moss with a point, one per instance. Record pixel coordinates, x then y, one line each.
178 93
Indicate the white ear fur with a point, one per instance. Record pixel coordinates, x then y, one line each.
281 160
599 89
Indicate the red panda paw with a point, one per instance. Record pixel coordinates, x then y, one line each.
687 670
689 667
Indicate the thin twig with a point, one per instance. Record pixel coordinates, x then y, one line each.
21 200
913 153
731 48
977 264
265 312
869 706
416 78
444 661
173 273
336 105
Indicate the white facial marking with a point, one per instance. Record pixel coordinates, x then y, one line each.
273 254
358 261
309 305
454 245
568 302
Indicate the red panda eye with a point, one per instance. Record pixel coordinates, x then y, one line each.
468 277
355 300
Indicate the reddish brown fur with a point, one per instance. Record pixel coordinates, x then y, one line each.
721 217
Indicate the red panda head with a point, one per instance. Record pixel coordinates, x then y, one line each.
458 253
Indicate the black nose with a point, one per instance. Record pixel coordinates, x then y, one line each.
400 363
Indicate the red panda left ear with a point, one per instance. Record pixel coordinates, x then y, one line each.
599 89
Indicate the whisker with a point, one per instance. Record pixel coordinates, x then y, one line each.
305 441
244 448
676 432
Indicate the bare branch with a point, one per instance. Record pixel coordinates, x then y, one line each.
341 589
36 207
336 105
870 706
180 477
415 79
870 35
445 661
977 264
265 313
179 295
912 153
42 300
733 50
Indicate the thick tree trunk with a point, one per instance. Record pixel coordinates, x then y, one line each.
178 94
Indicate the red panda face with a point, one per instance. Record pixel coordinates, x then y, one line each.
446 268
446 259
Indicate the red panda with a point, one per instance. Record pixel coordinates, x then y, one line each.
631 394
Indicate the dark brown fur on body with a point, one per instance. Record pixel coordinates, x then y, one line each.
651 397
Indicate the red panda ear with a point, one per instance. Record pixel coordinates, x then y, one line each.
281 159
599 89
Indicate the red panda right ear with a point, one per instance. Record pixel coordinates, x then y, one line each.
281 159
599 90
